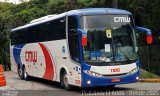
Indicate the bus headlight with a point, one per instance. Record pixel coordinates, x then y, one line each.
133 71
93 73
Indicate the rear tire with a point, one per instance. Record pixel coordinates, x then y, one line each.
26 76
20 72
64 81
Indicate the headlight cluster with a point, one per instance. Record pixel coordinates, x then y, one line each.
93 73
133 71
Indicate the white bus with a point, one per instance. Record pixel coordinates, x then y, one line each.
85 47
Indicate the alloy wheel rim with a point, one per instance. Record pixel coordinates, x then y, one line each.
20 71
65 79
25 74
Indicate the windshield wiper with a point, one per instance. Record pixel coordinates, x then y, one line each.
124 54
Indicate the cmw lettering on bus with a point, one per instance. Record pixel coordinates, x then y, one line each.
122 19
31 56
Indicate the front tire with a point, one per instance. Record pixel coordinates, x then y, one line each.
64 81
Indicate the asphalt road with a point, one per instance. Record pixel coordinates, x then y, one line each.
39 87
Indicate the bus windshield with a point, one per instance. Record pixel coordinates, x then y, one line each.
110 38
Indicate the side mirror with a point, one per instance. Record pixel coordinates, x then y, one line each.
148 32
84 40
84 37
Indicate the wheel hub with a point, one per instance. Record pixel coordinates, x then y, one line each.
65 80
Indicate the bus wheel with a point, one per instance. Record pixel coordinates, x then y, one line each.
20 73
26 76
64 81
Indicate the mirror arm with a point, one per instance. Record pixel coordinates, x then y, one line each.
84 37
147 31
80 31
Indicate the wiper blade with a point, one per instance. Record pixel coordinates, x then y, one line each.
124 54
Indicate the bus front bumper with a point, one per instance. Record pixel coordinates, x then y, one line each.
91 81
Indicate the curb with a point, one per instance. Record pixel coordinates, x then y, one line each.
149 80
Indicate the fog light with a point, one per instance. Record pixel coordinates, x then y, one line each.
88 82
137 78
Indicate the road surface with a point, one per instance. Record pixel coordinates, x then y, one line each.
39 87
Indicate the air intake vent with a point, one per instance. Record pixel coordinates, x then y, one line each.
110 75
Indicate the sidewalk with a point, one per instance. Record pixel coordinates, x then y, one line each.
150 80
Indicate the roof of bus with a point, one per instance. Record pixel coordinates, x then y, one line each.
91 11
86 11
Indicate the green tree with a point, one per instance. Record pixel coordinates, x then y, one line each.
4 33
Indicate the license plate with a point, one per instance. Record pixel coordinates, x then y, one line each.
115 80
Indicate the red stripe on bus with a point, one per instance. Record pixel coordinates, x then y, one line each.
49 72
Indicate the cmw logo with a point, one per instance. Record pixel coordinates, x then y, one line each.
122 19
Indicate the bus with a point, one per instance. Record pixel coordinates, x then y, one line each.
89 47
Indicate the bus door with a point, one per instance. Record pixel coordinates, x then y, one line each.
74 49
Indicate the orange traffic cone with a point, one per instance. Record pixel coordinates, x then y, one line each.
2 77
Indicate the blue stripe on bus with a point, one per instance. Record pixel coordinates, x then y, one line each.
16 53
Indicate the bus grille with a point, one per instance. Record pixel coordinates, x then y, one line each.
114 75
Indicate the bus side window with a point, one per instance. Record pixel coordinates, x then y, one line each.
73 38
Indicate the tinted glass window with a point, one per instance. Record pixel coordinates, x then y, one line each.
73 38
52 30
19 37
